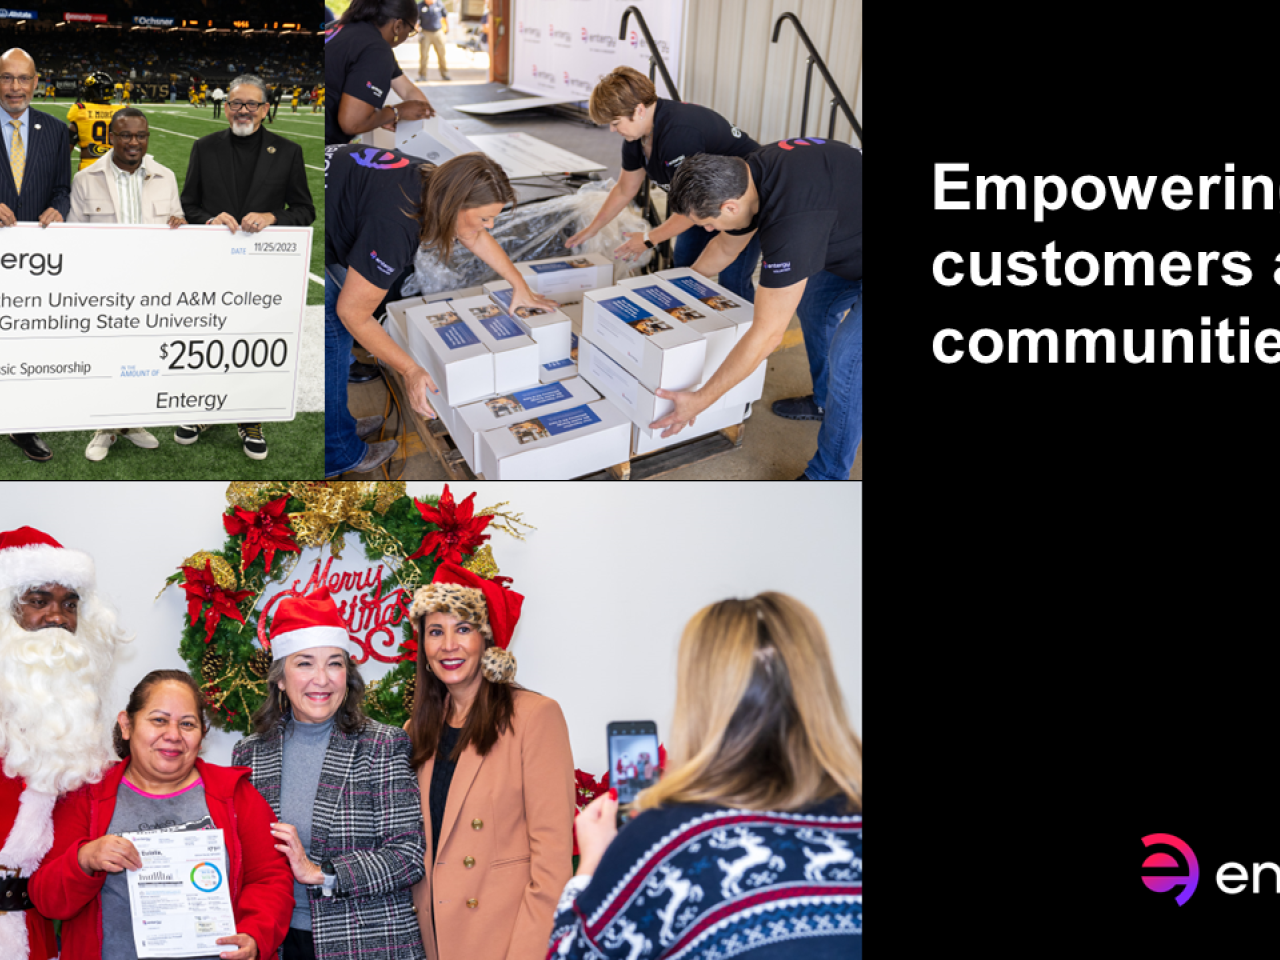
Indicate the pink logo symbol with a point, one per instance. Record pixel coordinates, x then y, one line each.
635 42
584 34
1184 876
566 77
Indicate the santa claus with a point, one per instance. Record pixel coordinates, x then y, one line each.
57 638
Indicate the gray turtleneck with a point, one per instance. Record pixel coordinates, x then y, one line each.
305 745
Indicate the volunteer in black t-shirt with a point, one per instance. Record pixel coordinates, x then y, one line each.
359 69
803 199
381 206
660 135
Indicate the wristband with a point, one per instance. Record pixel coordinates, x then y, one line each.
395 112
647 242
330 877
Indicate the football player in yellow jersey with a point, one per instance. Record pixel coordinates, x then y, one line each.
90 118
204 92
297 95
318 102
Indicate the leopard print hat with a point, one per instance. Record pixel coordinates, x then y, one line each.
466 603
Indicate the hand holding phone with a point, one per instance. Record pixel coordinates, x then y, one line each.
633 761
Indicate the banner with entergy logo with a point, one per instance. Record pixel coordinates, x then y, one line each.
561 48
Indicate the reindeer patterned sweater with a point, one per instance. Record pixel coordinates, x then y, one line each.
711 883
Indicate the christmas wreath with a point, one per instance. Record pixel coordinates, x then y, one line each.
224 641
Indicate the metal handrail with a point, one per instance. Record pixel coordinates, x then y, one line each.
649 212
815 60
655 58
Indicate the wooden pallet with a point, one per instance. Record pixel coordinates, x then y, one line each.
433 433
435 437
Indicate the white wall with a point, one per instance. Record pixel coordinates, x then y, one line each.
611 575
730 65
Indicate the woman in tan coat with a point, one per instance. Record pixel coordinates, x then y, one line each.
496 775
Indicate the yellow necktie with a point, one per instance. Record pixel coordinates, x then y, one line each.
17 155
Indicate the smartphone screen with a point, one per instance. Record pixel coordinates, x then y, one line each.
633 758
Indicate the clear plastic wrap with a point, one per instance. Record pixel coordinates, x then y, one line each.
533 232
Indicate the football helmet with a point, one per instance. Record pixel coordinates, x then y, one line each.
98 87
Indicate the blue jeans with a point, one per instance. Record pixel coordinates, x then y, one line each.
342 448
736 277
835 363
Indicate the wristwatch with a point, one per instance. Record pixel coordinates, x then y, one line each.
330 877
647 242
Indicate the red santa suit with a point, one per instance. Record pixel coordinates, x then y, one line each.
26 833
30 557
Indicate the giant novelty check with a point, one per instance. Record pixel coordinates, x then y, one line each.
105 326
180 899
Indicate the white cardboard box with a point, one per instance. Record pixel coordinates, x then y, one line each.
721 335
646 342
564 276
451 352
628 394
740 315
549 329
694 285
515 355
557 446
709 421
474 419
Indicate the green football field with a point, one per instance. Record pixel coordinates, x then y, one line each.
295 447
176 126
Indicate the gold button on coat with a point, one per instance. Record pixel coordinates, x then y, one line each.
472 904
477 824
469 862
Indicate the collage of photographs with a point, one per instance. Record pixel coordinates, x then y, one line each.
657 204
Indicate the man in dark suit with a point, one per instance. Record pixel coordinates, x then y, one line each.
35 178
246 178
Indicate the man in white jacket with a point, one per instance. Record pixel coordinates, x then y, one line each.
125 186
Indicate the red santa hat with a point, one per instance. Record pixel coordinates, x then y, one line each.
29 557
309 621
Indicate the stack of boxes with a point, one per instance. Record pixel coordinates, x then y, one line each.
557 394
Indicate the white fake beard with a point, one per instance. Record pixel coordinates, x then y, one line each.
53 733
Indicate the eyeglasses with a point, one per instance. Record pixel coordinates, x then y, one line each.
8 79
239 105
130 137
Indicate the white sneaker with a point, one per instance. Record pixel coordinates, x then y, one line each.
140 438
99 445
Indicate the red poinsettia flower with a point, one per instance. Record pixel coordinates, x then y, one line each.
265 531
459 531
201 589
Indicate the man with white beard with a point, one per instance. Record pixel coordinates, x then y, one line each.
246 179
57 639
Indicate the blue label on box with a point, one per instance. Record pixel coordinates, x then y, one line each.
541 396
549 267
566 420
504 298
692 287
658 297
566 362
501 327
456 335
625 310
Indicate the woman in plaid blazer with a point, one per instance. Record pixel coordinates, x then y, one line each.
341 786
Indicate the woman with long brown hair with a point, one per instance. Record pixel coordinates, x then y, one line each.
496 775
382 205
751 845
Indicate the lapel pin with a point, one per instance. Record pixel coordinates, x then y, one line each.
37 126
271 149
